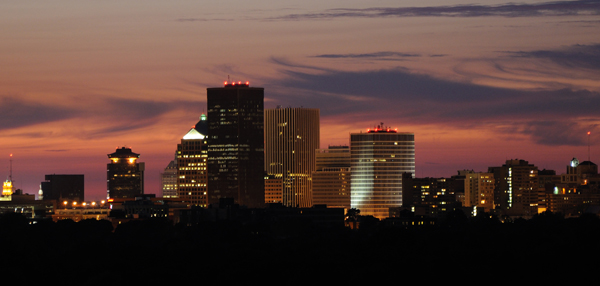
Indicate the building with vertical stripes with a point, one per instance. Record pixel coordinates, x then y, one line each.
378 158
291 140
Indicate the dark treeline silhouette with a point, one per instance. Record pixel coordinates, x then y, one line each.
154 251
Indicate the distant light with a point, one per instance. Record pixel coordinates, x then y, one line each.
588 134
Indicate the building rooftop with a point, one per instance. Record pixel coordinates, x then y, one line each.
123 152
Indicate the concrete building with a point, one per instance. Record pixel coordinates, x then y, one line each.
125 175
236 144
378 158
479 190
291 140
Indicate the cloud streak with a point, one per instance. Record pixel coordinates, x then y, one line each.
577 56
376 55
552 8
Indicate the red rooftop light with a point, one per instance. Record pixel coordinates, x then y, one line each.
233 83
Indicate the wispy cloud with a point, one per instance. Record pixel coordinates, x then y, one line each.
552 8
98 117
577 56
375 55
17 113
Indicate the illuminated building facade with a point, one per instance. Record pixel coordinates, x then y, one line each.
378 158
236 144
516 188
125 176
331 179
192 176
479 190
7 188
63 187
291 140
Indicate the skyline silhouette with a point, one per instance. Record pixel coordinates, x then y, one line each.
477 84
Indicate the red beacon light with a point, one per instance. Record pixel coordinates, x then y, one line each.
233 83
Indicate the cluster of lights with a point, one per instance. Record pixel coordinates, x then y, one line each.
83 204
381 129
233 83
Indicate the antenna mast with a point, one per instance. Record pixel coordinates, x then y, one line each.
10 174
589 146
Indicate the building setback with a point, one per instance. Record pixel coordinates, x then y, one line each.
291 140
378 158
125 176
236 144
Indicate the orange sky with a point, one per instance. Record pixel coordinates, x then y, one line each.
477 84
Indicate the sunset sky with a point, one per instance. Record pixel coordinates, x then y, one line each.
477 83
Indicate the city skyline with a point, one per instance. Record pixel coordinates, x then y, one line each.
477 84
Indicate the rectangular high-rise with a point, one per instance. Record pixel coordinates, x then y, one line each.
236 144
291 140
516 188
378 158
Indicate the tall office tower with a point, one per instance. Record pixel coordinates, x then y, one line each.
236 144
125 176
378 158
291 140
168 179
331 179
192 155
63 187
516 188
479 190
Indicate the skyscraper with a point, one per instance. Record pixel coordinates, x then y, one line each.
236 144
125 176
378 159
291 140
192 154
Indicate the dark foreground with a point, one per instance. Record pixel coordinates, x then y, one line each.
547 248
